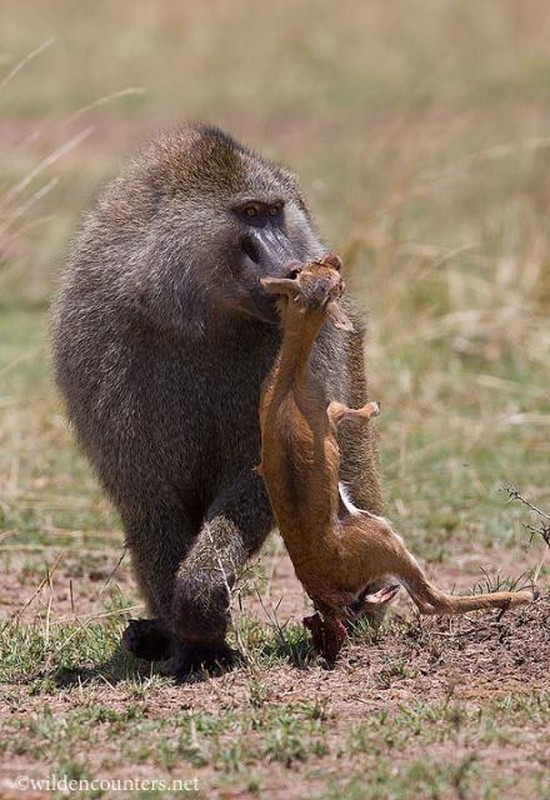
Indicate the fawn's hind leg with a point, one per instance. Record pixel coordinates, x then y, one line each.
427 597
431 600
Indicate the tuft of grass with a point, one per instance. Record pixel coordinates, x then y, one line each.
498 583
542 528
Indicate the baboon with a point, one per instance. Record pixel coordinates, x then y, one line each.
337 550
162 337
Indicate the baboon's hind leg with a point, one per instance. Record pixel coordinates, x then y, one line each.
157 540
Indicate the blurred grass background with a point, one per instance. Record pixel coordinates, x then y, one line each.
420 130
421 133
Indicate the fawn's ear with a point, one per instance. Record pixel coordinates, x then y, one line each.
332 260
338 316
286 286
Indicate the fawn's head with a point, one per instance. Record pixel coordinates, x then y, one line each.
312 289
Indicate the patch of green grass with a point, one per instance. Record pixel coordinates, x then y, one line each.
35 652
464 778
228 741
421 778
237 743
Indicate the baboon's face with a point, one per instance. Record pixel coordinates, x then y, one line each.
229 218
270 235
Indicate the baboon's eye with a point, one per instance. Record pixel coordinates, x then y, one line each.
257 213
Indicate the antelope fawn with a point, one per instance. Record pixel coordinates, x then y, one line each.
337 550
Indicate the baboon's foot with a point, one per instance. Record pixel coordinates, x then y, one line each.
148 639
328 634
192 662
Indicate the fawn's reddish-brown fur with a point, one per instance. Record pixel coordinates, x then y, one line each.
336 550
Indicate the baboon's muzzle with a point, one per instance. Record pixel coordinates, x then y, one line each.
270 249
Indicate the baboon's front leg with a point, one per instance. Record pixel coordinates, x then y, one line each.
235 527
158 540
186 577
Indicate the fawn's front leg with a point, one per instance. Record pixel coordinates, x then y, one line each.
338 411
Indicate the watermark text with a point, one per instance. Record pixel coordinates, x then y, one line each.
66 785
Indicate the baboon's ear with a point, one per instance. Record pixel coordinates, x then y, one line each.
286 286
338 316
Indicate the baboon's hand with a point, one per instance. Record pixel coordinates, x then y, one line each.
147 639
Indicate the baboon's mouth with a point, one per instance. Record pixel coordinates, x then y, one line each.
265 306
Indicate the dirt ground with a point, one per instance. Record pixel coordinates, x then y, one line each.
457 666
